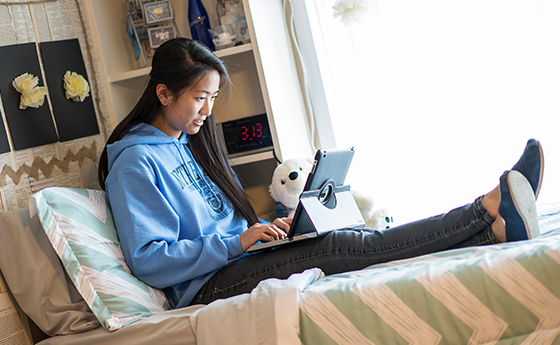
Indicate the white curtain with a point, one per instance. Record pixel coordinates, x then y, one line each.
439 97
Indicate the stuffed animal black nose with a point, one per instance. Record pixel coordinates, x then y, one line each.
293 175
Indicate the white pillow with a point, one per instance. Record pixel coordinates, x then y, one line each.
79 225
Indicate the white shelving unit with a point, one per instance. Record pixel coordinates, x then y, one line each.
256 157
263 72
142 72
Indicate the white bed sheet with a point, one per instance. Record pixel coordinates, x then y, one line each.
267 315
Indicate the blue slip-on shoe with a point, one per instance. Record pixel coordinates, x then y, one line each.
517 207
531 165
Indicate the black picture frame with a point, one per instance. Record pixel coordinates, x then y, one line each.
159 11
160 34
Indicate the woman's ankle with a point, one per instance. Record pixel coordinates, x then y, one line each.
499 229
491 202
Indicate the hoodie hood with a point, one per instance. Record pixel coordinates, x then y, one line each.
142 134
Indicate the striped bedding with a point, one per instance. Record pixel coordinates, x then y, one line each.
499 294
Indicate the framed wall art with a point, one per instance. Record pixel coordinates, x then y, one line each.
158 11
160 34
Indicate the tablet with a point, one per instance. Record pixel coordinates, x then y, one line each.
329 170
330 164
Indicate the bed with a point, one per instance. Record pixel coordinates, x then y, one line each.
58 256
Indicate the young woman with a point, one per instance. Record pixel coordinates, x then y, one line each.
185 223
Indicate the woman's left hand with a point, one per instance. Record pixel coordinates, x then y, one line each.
283 224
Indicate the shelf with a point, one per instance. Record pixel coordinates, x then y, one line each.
251 158
142 72
234 50
130 75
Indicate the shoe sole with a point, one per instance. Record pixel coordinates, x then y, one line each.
540 172
524 201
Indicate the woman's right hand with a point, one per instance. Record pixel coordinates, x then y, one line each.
277 230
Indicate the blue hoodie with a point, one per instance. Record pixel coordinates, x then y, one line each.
175 226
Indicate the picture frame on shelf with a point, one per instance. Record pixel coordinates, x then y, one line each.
160 34
159 11
149 24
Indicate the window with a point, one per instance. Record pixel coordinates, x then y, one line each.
438 97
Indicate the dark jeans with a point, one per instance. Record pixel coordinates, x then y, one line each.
348 250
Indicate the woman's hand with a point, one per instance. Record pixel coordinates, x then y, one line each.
277 230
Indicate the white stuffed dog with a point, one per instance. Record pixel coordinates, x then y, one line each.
375 218
380 219
289 180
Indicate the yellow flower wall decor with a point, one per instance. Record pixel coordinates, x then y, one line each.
351 11
31 95
76 86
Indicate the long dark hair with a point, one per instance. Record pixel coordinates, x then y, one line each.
180 64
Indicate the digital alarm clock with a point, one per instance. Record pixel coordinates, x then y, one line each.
246 135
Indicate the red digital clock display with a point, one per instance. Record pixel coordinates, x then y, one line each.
247 134
255 132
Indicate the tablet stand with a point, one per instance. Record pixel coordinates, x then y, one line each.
331 207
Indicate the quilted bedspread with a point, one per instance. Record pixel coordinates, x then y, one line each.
498 294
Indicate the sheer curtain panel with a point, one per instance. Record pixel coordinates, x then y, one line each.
439 97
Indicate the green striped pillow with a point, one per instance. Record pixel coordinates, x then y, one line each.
80 227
